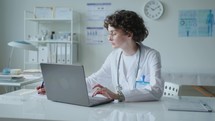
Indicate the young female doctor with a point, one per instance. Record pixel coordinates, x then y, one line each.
132 71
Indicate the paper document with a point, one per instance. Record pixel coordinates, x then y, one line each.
186 105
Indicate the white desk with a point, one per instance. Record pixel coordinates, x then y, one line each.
27 105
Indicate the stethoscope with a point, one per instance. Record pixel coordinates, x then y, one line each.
119 87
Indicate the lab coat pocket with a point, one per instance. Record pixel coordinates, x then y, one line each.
142 81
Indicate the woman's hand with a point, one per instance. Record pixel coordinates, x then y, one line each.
99 89
41 90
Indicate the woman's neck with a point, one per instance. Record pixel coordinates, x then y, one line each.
130 49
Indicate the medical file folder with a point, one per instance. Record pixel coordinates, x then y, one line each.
188 105
43 54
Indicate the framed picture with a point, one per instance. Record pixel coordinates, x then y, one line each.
43 12
63 12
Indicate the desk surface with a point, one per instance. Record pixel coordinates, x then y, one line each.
27 105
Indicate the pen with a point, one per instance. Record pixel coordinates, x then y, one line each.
42 85
39 88
207 107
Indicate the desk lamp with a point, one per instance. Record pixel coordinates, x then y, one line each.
18 44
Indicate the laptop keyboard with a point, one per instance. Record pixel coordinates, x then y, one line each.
95 100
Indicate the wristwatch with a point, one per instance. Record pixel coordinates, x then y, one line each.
121 96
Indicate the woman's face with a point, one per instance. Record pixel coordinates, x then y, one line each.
117 37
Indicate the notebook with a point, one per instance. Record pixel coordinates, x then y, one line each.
66 83
188 105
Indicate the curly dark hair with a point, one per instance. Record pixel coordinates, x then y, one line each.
128 21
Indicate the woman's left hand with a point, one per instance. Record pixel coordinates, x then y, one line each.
99 89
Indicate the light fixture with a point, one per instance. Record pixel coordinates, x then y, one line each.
18 44
23 45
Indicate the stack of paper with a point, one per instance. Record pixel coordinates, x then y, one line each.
188 105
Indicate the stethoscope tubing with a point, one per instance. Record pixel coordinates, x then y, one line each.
119 87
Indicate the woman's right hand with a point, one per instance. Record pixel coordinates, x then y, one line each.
41 90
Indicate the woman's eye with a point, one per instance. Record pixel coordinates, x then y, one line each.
113 34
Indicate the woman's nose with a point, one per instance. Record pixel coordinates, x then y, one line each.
109 38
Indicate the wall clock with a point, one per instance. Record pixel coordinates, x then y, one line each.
153 9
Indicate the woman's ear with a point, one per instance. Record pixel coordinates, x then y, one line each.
130 34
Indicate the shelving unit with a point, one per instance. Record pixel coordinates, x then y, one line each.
55 38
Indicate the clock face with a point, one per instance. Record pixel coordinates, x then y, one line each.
153 9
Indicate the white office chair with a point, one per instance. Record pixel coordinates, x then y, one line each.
170 89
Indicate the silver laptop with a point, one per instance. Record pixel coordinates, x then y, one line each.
66 83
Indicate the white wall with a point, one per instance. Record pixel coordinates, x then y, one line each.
195 55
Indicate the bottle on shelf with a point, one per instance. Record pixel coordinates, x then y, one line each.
53 35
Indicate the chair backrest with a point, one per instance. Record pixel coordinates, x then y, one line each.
170 89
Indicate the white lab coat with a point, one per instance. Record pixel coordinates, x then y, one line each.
150 67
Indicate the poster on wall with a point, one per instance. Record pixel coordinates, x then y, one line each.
95 35
97 11
197 23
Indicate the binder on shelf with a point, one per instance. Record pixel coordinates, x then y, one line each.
68 53
32 56
74 53
52 53
43 54
60 53
63 53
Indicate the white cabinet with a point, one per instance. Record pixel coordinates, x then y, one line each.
55 38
